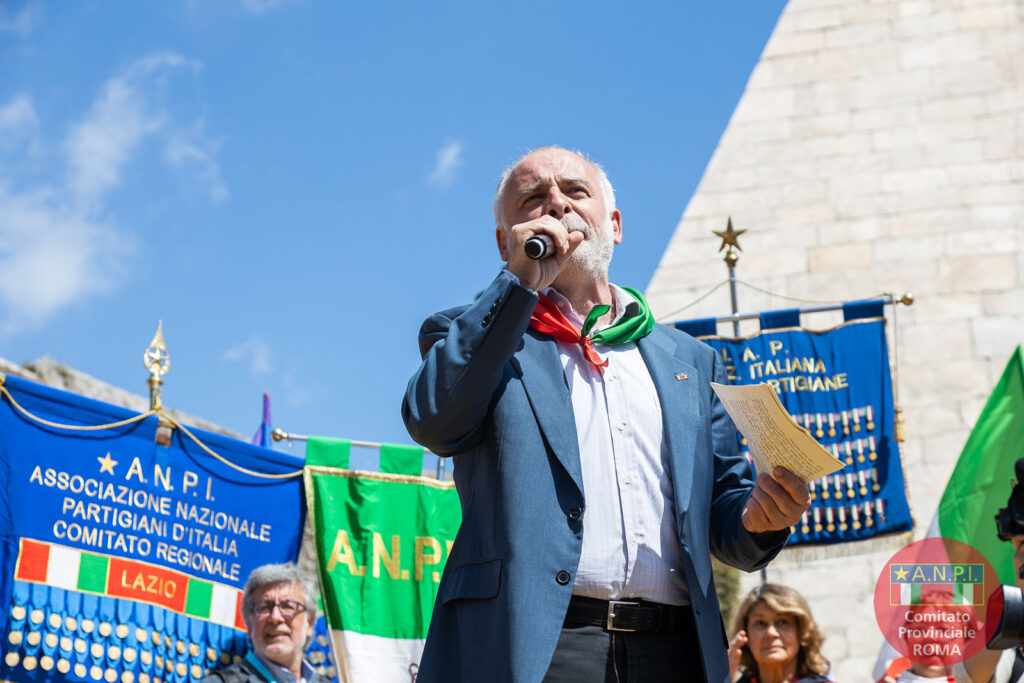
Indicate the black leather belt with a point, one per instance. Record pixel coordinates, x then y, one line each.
627 615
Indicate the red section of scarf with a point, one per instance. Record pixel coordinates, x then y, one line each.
547 319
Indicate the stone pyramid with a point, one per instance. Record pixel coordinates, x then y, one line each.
878 147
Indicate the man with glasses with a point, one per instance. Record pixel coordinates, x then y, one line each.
279 608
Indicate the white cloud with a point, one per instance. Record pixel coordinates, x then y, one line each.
23 22
18 114
52 256
19 123
253 350
190 151
120 118
58 246
449 159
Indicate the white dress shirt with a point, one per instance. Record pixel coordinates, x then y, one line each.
630 542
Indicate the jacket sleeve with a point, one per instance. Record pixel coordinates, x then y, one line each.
464 354
730 541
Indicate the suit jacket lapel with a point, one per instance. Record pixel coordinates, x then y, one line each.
676 383
544 381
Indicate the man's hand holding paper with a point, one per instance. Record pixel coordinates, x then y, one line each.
779 446
776 502
774 439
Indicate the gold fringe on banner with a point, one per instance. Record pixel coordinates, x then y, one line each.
900 428
804 554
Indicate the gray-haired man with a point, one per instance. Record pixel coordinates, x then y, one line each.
279 608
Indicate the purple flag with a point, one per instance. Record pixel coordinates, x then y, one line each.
262 435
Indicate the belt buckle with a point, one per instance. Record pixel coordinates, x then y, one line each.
609 622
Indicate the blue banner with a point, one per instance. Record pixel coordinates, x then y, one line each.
123 560
837 385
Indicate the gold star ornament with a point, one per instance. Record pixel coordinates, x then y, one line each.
730 237
107 464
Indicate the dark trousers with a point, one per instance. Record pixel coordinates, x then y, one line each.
589 654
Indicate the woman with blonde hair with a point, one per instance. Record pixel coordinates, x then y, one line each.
775 639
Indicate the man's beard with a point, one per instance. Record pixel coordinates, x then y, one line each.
594 254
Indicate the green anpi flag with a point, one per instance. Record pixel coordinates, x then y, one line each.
381 542
980 483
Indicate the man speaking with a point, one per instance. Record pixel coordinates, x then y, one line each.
596 469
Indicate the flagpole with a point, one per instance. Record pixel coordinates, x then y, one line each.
907 299
731 244
280 435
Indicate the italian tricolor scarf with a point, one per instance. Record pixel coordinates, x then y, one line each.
636 322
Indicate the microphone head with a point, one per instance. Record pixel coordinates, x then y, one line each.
537 246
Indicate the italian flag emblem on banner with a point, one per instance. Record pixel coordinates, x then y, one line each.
76 570
947 584
953 594
381 542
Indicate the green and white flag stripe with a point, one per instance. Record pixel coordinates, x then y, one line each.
381 542
910 594
964 594
213 601
376 658
74 570
68 569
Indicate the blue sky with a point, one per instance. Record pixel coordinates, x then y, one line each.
293 185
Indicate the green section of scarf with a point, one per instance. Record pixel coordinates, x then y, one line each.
635 323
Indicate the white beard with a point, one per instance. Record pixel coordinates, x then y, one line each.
594 254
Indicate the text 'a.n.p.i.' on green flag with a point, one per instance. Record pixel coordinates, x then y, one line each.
381 542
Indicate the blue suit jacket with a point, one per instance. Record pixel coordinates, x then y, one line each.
492 393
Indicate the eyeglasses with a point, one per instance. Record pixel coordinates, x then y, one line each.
288 608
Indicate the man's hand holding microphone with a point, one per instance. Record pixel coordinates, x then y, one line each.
547 231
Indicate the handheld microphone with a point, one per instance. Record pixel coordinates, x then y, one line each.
539 246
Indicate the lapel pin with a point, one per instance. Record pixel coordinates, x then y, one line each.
680 376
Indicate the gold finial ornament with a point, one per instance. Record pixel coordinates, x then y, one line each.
730 242
158 362
730 237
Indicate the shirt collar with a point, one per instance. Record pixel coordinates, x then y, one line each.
283 674
620 299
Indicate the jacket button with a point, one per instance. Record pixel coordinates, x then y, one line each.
562 577
575 513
